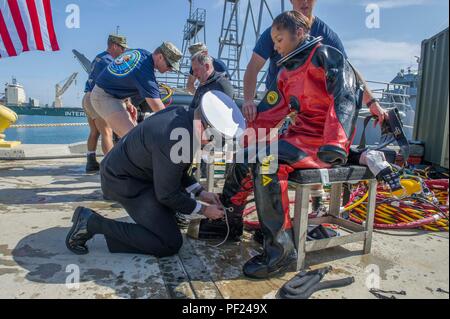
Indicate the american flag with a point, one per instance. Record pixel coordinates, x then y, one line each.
26 25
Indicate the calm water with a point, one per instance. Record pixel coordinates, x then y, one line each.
69 135
51 135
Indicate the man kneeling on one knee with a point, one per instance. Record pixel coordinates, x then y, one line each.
147 176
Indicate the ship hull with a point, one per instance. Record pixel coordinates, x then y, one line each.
48 111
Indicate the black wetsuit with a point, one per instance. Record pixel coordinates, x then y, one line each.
140 175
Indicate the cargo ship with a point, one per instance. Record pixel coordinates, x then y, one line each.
47 111
15 98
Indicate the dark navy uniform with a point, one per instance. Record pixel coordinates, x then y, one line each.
100 62
140 174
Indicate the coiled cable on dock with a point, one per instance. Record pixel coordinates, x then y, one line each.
429 212
168 99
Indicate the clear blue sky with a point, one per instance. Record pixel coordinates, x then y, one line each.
378 53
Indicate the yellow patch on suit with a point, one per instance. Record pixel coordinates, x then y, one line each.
266 180
266 163
272 97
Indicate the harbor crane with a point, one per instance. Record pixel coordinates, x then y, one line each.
60 89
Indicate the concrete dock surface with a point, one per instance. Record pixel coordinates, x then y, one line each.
38 198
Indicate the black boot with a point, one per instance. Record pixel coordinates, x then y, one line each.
217 229
92 166
78 235
279 251
276 258
258 236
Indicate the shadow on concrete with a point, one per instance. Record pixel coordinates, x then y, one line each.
44 170
47 260
67 184
44 195
330 255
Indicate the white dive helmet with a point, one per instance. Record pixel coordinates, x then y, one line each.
221 115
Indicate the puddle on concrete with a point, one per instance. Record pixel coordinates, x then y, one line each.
46 271
339 271
147 289
120 280
383 264
28 251
98 274
125 288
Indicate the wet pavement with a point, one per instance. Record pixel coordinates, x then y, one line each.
37 200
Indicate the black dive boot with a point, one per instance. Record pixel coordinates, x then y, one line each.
92 166
218 229
279 254
279 251
234 188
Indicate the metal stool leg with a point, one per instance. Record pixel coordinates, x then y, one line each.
370 215
301 222
335 199
210 177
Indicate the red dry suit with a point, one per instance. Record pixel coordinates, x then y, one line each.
321 87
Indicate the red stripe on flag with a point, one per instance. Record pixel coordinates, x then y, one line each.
31 4
18 21
50 26
4 34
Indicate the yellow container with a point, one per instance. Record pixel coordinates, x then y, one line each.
410 186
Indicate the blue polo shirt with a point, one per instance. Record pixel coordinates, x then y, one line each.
130 75
265 46
100 62
219 66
